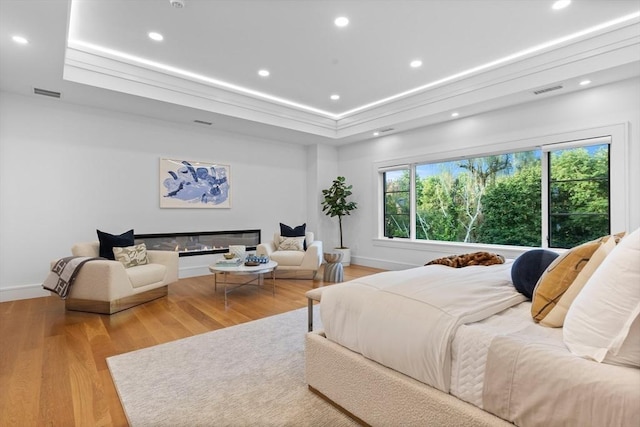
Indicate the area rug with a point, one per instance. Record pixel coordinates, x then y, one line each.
246 375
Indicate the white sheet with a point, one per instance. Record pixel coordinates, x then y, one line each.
406 319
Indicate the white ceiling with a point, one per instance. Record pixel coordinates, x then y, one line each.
476 54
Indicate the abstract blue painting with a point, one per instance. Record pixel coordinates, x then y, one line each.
190 184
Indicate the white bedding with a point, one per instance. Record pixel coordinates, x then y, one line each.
470 347
406 319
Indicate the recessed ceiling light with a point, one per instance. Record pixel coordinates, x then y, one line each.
20 40
263 73
585 82
560 4
335 97
416 63
156 36
341 21
376 133
455 114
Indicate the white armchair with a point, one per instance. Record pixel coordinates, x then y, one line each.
106 287
294 262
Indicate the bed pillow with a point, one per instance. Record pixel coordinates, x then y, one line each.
528 267
555 318
599 320
559 276
131 256
465 260
109 241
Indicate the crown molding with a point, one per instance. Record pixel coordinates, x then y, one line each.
493 87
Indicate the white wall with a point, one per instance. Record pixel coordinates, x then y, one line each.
598 106
66 170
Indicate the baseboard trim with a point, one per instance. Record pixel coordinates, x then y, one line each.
14 293
380 263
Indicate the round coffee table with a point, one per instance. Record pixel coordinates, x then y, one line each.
242 270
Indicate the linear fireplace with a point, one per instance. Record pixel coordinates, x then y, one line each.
200 243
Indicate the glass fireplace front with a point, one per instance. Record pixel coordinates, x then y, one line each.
200 243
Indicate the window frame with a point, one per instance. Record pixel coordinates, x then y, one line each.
411 197
618 179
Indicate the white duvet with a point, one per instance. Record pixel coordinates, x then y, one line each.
406 319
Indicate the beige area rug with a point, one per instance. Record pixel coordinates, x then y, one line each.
246 375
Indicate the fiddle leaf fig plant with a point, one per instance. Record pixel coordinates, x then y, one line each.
335 202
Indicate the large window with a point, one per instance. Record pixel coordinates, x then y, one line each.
498 199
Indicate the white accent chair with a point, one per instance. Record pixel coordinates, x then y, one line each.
106 287
294 264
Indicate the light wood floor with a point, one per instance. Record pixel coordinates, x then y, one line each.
52 362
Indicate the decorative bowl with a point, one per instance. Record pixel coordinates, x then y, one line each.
251 264
228 255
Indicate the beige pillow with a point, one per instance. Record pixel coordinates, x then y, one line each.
291 243
560 274
555 318
132 256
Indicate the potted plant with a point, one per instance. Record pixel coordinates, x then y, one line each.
335 203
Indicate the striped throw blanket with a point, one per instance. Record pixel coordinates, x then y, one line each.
63 273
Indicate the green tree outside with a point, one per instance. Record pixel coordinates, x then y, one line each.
497 199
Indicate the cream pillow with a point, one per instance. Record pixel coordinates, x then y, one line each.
555 318
291 243
132 256
598 322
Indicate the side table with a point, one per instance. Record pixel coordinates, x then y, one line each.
333 268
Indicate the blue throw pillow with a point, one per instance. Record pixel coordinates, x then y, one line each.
109 241
527 269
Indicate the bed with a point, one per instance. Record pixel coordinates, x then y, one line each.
436 345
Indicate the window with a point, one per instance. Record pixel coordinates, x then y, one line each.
498 199
578 195
493 199
397 202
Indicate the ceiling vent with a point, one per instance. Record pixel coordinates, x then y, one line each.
546 89
45 92
386 130
202 122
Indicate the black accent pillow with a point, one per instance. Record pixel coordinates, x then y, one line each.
109 241
527 269
299 231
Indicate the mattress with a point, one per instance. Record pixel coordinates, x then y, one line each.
470 347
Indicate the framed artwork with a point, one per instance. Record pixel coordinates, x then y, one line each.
191 184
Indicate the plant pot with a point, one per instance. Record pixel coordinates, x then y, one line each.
346 255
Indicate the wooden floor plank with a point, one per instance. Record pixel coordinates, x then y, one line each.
53 368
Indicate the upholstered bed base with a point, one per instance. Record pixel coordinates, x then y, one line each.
381 396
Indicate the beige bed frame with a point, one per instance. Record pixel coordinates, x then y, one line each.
379 396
